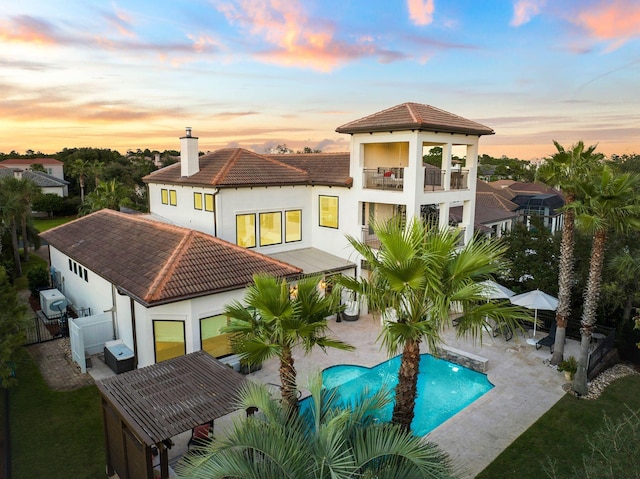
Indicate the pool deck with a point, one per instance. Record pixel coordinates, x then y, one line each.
525 388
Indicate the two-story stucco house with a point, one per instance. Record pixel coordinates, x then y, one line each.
286 214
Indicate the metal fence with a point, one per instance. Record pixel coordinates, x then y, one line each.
600 352
39 331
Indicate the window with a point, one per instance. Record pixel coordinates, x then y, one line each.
86 278
292 225
246 230
70 265
197 201
213 341
165 196
328 211
173 198
168 339
208 202
270 228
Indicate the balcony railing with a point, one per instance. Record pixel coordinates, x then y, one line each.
434 180
370 238
383 178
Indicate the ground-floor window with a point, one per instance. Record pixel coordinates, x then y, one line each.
168 339
214 342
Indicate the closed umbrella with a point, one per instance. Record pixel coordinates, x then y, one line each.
535 300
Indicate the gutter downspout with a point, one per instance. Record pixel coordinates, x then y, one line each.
133 329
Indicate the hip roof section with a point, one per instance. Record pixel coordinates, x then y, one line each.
158 263
415 116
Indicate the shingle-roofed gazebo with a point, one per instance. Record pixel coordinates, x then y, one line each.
147 406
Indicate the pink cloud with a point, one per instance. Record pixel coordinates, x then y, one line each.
525 10
121 21
421 11
293 38
28 29
614 21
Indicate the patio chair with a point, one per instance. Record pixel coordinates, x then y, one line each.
549 339
201 435
504 329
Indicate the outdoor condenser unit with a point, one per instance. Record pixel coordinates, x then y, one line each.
47 298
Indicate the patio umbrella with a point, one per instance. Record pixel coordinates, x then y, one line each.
535 300
493 290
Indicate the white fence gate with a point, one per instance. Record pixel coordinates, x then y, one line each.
88 335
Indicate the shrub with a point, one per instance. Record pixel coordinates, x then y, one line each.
38 278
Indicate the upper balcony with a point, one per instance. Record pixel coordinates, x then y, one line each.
393 179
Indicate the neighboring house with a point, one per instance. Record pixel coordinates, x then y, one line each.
47 183
292 210
52 166
534 199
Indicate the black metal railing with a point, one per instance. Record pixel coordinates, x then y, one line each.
600 352
383 178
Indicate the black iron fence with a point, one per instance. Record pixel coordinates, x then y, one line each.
601 350
41 331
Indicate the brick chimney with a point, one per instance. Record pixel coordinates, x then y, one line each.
189 163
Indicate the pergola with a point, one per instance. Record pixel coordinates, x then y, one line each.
148 406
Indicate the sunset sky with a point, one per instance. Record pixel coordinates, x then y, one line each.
256 73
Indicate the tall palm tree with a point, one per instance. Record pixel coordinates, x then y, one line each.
565 170
421 273
11 211
80 169
326 440
610 203
276 319
25 190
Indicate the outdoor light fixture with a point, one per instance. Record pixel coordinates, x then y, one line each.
293 291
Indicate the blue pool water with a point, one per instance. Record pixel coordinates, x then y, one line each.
444 388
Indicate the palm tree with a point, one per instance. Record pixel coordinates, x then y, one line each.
420 272
276 319
326 440
11 211
108 194
610 203
564 170
80 169
26 190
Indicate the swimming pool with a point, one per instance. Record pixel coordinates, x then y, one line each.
444 388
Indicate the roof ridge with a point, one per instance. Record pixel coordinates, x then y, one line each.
227 166
414 114
371 115
170 265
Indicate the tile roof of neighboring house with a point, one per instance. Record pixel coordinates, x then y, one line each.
31 161
43 180
490 197
237 167
158 263
483 215
414 116
330 169
516 188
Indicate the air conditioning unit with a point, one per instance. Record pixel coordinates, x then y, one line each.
52 297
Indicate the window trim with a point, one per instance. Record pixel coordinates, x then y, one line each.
255 233
197 195
320 198
164 196
173 198
299 210
260 214
184 336
213 204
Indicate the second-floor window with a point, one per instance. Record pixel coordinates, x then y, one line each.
293 225
208 202
197 201
173 198
270 228
328 211
164 195
246 230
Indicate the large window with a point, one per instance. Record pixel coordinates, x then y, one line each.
197 201
213 341
293 225
329 211
246 230
208 202
270 228
164 194
173 198
168 339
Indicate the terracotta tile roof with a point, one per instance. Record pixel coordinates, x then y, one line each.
331 169
237 167
158 263
414 116
30 161
490 197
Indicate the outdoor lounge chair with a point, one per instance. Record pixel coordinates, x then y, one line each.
549 339
200 435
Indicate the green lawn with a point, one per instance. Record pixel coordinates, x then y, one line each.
54 434
561 434
44 224
34 262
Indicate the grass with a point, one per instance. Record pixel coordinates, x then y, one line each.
54 434
35 261
561 435
44 224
